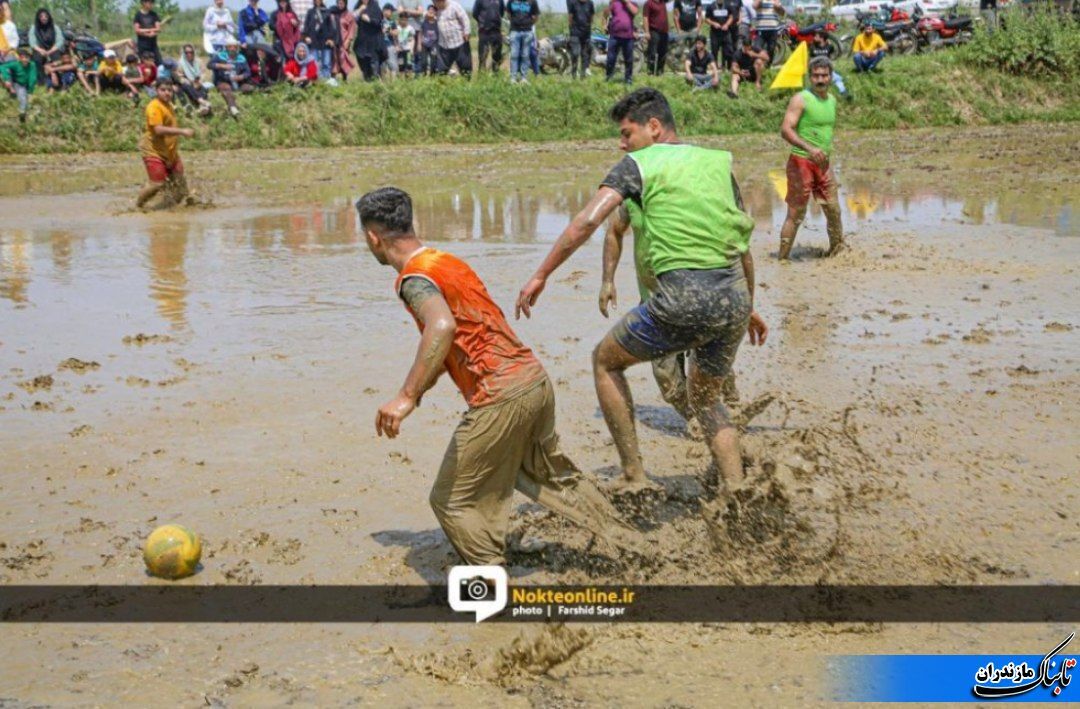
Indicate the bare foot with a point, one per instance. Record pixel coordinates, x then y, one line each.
623 485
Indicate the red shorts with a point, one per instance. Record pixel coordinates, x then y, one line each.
159 171
804 178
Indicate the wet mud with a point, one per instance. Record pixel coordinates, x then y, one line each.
911 420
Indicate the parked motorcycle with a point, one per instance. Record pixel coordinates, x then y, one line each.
796 34
559 59
83 44
938 32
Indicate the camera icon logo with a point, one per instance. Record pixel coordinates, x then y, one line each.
477 589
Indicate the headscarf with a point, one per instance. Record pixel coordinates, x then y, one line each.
302 63
192 71
46 34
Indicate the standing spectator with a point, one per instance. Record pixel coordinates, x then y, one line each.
232 74
370 44
46 41
748 65
218 26
454 48
722 17
9 35
747 16
988 10
426 61
87 70
346 38
301 7
523 14
657 34
390 39
688 16
406 43
488 15
189 76
301 71
286 25
319 36
20 78
111 73
868 49
700 65
254 24
767 22
147 26
581 13
620 16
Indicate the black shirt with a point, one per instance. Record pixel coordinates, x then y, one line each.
146 21
488 15
686 11
745 61
581 16
522 13
819 50
700 64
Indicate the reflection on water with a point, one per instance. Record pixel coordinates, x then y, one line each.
168 284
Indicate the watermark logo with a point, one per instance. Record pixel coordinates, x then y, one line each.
1013 679
477 589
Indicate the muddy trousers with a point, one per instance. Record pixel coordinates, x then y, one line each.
512 445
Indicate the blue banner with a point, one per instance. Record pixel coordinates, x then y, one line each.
954 678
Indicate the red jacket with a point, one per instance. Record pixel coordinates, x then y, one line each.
292 68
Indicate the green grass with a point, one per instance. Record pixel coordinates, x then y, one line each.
938 89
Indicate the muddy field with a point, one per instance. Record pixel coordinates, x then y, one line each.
221 366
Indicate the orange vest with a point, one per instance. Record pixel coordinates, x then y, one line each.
487 361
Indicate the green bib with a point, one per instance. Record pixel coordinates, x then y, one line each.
816 123
688 208
646 281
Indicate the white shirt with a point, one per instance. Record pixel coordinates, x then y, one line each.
212 34
748 14
11 34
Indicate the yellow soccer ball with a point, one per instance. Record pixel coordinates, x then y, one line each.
172 552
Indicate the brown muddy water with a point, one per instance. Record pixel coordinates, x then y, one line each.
221 366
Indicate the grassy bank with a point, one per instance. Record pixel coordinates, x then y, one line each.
938 89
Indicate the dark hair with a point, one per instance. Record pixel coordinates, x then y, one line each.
161 81
642 104
818 62
131 59
388 208
701 38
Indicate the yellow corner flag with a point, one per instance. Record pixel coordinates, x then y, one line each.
794 69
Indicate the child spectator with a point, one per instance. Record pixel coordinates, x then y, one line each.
406 38
87 69
20 78
426 60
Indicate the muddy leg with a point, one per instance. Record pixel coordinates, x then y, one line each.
791 226
610 361
148 193
835 228
720 432
670 375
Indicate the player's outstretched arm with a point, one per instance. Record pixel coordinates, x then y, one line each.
438 335
579 230
613 242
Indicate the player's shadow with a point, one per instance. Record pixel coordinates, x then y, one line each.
659 418
429 552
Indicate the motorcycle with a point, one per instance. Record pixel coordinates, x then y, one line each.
899 34
938 32
83 44
559 59
796 34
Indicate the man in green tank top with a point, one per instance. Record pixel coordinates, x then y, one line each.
808 125
697 248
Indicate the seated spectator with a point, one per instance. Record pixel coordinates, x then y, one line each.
148 68
60 73
868 49
87 70
426 59
819 47
232 73
46 40
20 78
749 65
9 35
701 71
111 73
188 76
265 68
133 78
302 70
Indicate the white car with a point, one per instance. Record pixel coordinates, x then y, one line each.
810 8
847 9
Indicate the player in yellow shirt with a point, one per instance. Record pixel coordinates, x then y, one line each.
158 146
868 49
